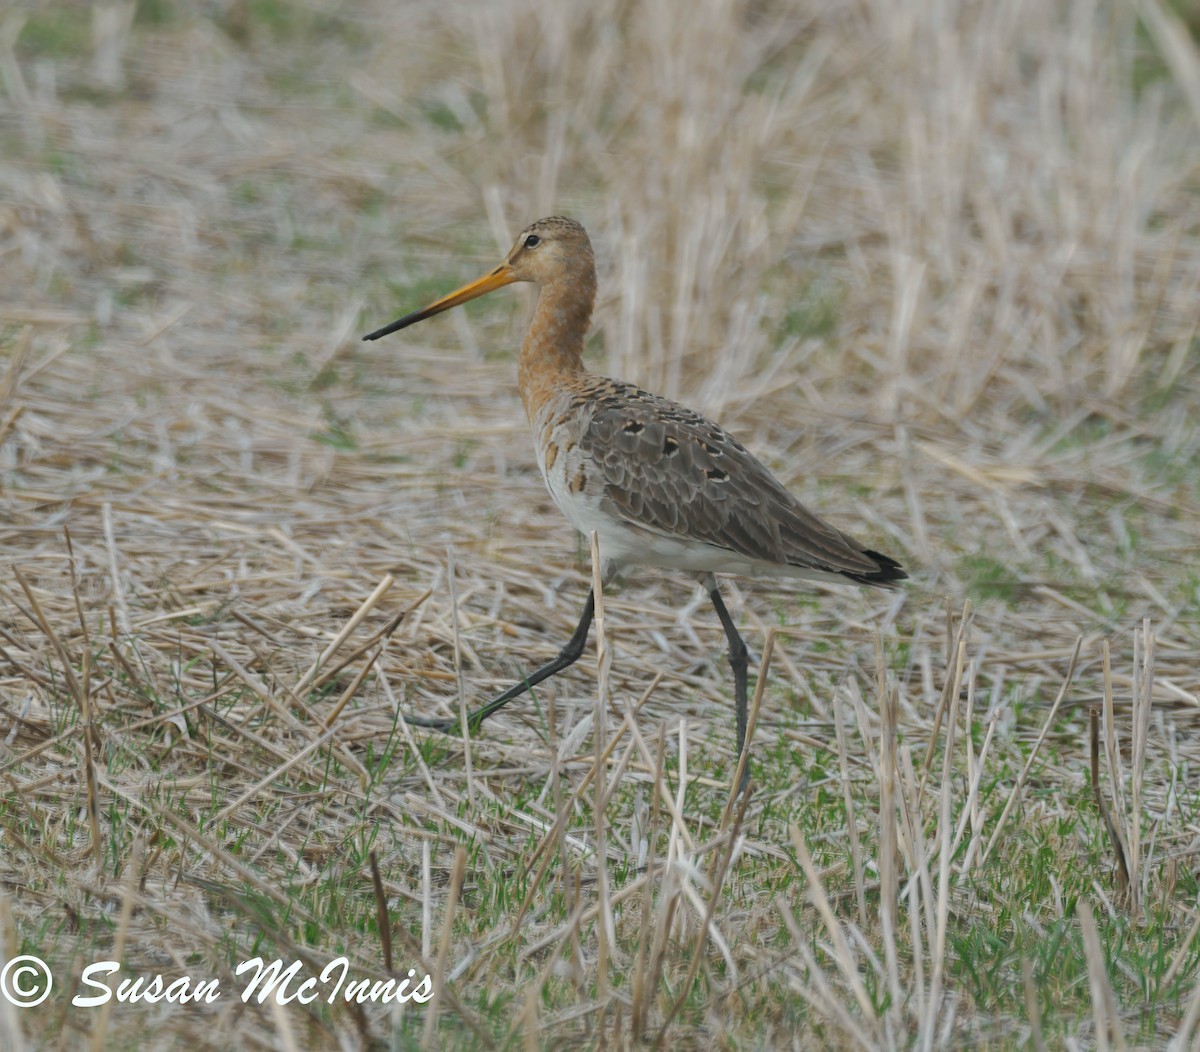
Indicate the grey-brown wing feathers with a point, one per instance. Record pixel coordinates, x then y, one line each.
668 470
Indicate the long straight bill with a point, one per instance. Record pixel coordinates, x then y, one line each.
498 278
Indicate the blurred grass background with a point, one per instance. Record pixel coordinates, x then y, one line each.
937 264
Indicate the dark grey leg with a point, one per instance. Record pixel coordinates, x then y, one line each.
566 657
738 661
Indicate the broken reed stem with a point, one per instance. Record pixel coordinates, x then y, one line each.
304 728
1105 1016
956 655
119 603
39 618
86 711
347 629
1181 953
1140 730
533 996
1032 1011
945 828
821 996
641 994
245 872
977 767
913 907
78 686
1124 824
922 904
383 634
552 835
16 364
860 893
889 880
269 777
1117 820
1112 741
948 700
669 893
463 715
351 690
842 955
381 912
716 885
1011 802
1114 833
443 954
661 789
83 628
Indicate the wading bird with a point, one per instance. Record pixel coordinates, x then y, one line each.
661 485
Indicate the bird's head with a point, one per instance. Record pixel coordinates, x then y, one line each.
547 252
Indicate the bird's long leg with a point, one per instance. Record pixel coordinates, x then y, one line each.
566 657
738 661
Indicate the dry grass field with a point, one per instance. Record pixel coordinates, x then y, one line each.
937 263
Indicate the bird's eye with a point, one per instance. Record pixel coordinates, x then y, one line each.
532 241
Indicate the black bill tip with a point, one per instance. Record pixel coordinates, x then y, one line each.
407 320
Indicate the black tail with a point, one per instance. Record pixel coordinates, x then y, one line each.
888 574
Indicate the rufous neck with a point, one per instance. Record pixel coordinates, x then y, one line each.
553 350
